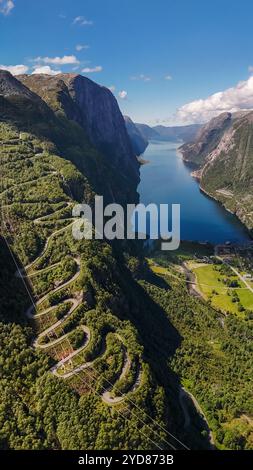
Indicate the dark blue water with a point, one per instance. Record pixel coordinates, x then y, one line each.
166 179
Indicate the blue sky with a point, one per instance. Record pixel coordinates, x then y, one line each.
158 55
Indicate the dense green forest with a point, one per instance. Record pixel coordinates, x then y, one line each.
214 360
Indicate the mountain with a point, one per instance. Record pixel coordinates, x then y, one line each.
139 142
97 126
148 132
173 133
223 152
20 104
206 139
178 133
90 105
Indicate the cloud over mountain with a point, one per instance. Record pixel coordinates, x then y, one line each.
45 69
15 69
232 99
65 60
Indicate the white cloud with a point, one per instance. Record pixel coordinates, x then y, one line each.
112 88
250 68
98 68
65 60
46 69
142 77
82 21
6 6
15 69
168 77
123 94
80 47
239 97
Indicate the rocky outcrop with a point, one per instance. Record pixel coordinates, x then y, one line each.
206 139
103 121
139 142
78 120
95 109
18 100
223 153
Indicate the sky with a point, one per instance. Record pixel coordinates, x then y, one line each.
167 62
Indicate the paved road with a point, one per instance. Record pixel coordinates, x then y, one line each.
242 279
46 332
47 243
106 396
237 273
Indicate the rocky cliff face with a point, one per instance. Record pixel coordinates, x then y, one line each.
223 152
139 142
78 120
102 120
206 139
95 109
228 172
20 102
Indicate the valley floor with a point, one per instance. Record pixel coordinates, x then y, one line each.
216 326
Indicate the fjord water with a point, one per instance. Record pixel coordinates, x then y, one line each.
166 179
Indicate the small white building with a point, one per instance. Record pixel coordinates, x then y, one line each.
248 277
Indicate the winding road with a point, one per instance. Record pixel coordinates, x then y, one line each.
30 271
38 343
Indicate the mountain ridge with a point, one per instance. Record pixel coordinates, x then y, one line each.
94 108
169 133
54 114
139 142
223 155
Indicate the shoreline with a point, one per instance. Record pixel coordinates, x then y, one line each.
194 174
247 230
184 396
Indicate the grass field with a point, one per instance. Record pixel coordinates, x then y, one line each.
210 282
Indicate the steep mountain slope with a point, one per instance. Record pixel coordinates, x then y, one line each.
139 142
206 139
223 154
21 105
228 172
148 132
95 109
